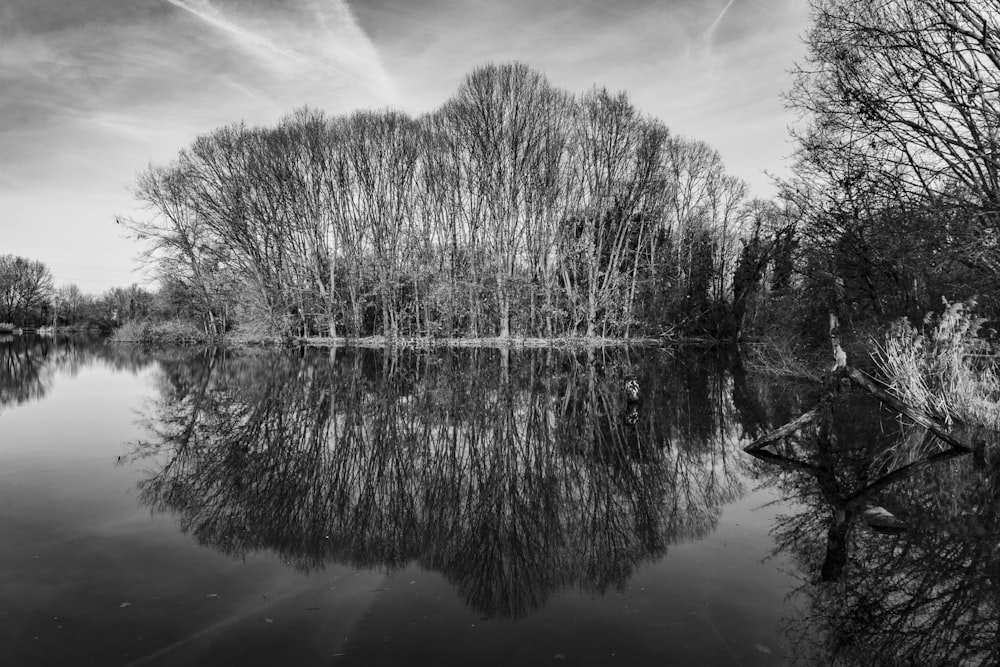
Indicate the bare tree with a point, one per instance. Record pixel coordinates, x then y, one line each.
500 115
903 103
514 208
382 151
178 245
25 288
620 189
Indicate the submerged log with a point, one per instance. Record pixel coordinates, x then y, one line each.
783 431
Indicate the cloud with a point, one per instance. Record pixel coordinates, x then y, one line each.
706 67
308 41
715 24
256 43
113 70
93 90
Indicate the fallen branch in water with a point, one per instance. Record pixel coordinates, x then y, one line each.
918 416
840 370
783 431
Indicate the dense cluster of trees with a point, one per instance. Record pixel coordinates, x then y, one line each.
514 209
28 298
898 171
517 208
71 307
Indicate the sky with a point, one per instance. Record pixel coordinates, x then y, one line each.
93 91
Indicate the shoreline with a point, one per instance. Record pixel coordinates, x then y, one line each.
151 335
516 342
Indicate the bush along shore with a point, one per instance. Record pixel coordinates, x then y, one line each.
170 332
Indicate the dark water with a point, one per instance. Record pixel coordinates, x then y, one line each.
209 507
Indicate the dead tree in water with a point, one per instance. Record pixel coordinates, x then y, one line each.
846 506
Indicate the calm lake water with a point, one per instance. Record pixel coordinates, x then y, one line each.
367 507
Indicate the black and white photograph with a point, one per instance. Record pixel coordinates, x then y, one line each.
508 332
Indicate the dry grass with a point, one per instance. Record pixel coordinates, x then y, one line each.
941 369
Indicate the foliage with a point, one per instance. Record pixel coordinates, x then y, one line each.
940 370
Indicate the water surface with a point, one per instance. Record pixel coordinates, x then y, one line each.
202 506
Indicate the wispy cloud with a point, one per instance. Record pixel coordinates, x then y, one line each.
715 24
92 90
126 77
255 43
708 68
95 89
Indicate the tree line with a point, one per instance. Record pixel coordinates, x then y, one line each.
29 298
519 209
515 208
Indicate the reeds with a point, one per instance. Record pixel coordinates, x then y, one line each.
944 369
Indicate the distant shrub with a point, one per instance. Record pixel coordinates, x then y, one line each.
6 328
87 326
943 369
169 332
253 333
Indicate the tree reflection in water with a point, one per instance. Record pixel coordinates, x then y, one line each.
25 374
925 595
515 474
28 363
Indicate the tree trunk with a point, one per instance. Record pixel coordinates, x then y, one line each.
331 299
